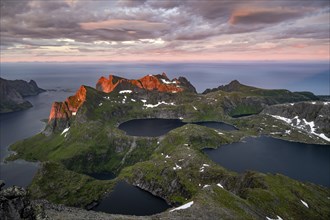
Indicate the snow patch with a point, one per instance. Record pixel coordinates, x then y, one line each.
143 100
205 165
205 186
278 218
185 206
304 203
65 130
74 113
302 124
167 82
156 105
326 103
167 156
220 185
177 167
133 100
125 91
101 104
195 108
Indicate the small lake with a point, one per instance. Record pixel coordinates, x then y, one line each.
304 162
126 199
102 175
154 127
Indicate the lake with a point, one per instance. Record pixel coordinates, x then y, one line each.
154 127
131 200
304 162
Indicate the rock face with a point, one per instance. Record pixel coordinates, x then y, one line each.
15 204
61 112
158 82
12 93
308 116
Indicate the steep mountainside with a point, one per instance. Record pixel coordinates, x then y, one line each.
12 93
82 136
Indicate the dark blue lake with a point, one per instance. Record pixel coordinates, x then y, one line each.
154 127
305 162
130 200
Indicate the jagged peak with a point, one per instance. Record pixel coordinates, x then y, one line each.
235 82
158 82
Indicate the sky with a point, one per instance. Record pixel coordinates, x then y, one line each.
163 30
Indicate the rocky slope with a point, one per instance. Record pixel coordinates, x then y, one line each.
311 117
155 86
12 93
82 136
16 204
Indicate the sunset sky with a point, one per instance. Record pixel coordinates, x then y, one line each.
151 30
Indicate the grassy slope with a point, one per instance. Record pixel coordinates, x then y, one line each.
94 144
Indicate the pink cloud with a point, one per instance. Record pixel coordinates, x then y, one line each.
121 24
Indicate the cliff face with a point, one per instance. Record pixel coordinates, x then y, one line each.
61 112
12 93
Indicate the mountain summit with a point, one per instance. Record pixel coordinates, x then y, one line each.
159 82
150 85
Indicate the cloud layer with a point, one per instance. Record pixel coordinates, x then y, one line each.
186 30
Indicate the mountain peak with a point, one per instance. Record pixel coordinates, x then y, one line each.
159 82
235 82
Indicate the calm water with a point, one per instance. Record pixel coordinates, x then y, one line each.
130 200
103 175
305 162
19 125
312 77
154 127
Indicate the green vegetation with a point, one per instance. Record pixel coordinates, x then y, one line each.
172 166
59 185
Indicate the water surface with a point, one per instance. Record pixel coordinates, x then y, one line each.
16 126
154 127
130 200
102 175
305 162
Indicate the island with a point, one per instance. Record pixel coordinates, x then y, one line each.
13 92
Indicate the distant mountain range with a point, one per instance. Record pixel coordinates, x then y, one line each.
12 93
